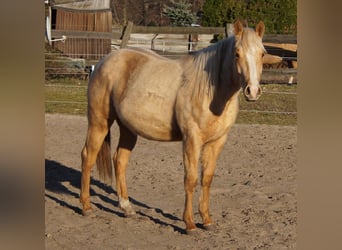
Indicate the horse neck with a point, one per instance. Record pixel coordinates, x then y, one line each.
213 74
228 80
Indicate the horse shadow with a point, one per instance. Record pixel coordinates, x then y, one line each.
56 174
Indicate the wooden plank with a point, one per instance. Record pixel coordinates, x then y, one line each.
81 34
177 30
271 59
274 38
81 10
270 38
284 46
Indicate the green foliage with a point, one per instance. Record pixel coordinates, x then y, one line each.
279 16
179 13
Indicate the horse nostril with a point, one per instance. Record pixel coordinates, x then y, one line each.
259 91
252 94
247 91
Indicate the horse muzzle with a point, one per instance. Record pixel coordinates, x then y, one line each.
252 93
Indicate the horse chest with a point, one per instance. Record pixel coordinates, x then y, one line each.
214 126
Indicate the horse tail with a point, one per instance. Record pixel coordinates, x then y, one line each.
104 161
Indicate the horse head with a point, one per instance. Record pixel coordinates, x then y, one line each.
249 52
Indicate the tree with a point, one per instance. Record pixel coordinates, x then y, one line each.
279 16
180 13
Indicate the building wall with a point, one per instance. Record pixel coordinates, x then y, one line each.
83 20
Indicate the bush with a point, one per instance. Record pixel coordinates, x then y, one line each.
279 16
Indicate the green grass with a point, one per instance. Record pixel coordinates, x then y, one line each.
280 108
69 96
66 97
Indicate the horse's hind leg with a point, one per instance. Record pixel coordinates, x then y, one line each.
95 137
210 154
126 144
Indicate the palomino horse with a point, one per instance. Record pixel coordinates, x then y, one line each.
193 99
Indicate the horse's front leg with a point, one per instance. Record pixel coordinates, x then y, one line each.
210 154
191 152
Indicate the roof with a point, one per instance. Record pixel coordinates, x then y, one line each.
84 5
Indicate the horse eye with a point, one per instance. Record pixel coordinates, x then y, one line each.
263 54
237 55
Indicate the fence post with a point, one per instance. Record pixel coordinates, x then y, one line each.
126 34
152 41
229 29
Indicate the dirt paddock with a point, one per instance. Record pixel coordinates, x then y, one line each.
253 197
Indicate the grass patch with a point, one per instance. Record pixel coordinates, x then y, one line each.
67 81
66 108
276 106
66 99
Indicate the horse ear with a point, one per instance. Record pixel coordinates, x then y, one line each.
238 29
260 29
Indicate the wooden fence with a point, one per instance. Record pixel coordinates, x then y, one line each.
276 45
123 33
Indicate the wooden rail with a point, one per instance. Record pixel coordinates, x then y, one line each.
271 38
82 34
119 32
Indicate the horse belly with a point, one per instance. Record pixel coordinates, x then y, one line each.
146 103
150 114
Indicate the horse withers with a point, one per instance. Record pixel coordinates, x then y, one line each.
193 100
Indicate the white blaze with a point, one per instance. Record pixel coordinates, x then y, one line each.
253 72
253 82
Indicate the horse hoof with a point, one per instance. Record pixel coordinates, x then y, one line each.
209 227
88 213
130 214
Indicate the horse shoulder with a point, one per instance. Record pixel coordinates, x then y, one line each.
200 120
217 126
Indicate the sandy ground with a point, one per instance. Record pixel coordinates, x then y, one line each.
253 195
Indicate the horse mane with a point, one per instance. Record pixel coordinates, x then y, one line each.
204 71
